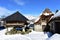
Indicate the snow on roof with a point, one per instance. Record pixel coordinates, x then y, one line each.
57 14
51 18
37 19
46 14
55 37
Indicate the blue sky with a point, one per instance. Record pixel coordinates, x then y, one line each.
28 7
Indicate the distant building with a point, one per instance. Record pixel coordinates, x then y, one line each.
16 19
54 23
43 20
1 22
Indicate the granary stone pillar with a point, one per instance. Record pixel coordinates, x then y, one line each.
7 29
6 26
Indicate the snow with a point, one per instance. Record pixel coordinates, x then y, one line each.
54 37
10 28
37 36
51 18
31 36
57 14
2 32
46 14
14 37
31 17
37 19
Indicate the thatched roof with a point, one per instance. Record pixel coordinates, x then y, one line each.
16 17
46 15
47 10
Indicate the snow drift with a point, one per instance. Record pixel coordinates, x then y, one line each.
54 37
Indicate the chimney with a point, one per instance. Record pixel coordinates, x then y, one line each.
56 11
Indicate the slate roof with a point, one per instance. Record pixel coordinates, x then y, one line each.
16 17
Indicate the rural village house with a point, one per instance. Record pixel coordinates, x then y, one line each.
16 19
54 23
43 20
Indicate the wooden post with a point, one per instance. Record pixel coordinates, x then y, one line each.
7 29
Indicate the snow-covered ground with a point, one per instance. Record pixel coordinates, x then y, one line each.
31 36
54 37
37 35
2 32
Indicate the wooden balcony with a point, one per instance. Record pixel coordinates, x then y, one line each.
14 23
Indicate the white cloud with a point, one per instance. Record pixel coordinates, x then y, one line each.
5 12
20 2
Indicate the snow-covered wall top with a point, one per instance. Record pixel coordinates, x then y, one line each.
57 14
